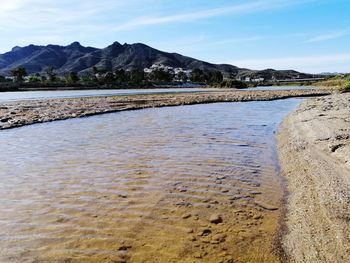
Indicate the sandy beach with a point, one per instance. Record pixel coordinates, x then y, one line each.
314 151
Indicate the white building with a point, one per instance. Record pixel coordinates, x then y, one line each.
169 69
258 80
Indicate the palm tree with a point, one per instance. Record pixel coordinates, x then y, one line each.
18 73
50 71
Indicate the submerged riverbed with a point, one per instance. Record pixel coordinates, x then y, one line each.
190 183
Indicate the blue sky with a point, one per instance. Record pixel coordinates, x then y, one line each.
306 35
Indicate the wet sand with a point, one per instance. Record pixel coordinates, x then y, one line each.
314 150
20 113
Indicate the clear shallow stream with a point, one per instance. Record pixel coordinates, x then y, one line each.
143 185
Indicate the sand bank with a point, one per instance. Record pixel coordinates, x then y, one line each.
20 113
314 150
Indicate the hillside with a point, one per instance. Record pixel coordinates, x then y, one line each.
75 57
80 59
275 74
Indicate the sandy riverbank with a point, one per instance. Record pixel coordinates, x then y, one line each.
20 113
314 150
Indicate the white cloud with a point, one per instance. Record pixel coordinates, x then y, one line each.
237 9
329 36
198 44
239 40
314 64
50 14
11 5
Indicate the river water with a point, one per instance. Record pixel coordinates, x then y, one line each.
142 186
33 95
51 94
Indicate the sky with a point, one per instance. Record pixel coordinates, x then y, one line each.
306 35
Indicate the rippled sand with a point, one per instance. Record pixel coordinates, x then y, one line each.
144 186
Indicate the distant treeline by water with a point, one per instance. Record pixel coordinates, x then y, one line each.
119 78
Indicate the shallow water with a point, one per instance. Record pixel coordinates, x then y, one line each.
141 186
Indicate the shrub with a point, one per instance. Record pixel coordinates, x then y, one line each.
235 84
335 82
72 77
34 79
346 87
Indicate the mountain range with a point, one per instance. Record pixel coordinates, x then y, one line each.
80 59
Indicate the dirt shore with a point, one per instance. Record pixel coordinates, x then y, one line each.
20 113
314 150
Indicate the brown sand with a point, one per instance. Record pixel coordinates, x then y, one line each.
314 150
20 113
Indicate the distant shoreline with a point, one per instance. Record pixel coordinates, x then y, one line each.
22 88
26 112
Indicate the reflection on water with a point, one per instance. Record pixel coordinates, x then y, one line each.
142 186
30 95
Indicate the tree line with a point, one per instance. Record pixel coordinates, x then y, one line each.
100 76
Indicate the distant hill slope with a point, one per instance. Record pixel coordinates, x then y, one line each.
75 57
276 74
78 58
